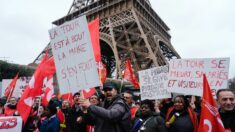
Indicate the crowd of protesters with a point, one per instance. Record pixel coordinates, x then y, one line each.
111 111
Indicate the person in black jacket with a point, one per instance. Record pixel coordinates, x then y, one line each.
226 100
148 120
74 119
113 116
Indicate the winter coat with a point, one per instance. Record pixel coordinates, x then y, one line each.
228 120
114 116
187 120
71 120
51 124
153 123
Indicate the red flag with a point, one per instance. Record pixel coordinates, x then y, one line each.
129 74
89 92
68 96
95 38
210 120
45 69
48 92
102 72
10 88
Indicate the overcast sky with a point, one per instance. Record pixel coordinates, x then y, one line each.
199 29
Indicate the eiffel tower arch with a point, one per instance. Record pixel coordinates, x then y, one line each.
128 29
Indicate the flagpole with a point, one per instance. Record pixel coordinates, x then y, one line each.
100 76
40 97
121 86
10 94
69 91
69 96
12 89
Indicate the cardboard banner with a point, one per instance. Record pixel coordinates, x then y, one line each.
74 58
19 88
152 83
10 124
185 75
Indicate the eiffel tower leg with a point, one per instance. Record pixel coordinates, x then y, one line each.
118 62
143 35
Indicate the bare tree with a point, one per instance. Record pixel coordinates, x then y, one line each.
231 83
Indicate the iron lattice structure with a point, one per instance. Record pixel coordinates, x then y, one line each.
128 29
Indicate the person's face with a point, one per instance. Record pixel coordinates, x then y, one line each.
145 109
13 101
47 112
76 99
94 100
65 104
128 98
41 109
110 93
179 103
157 104
36 101
226 101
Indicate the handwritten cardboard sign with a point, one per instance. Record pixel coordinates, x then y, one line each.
152 83
185 75
74 58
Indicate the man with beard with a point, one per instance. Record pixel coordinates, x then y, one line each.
128 97
226 100
149 121
10 109
113 116
35 105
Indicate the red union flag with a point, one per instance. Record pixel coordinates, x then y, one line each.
102 72
89 92
69 97
10 89
210 120
95 38
48 91
45 69
129 74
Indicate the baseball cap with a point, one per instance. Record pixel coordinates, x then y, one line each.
109 85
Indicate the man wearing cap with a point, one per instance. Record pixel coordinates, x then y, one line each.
113 116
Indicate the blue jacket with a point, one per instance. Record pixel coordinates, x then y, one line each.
51 124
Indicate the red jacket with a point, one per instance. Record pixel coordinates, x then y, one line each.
9 112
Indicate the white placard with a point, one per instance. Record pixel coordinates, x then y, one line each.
186 75
10 124
74 58
152 83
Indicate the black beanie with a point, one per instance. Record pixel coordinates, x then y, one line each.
52 107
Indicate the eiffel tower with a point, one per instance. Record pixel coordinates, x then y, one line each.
128 29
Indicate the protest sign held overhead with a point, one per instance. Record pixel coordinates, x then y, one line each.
185 75
152 83
75 62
